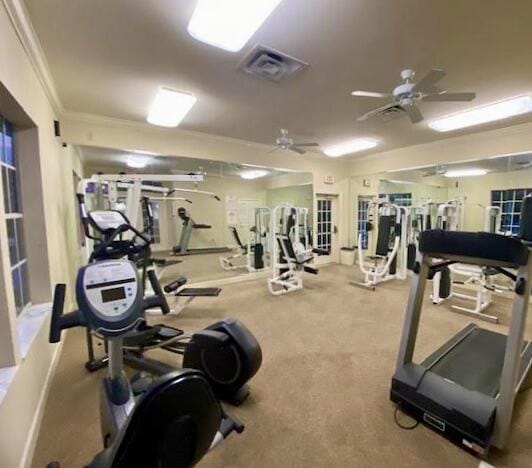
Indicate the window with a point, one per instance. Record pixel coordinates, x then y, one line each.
156 227
362 221
510 202
14 217
401 199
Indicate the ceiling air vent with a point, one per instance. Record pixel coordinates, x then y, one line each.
271 64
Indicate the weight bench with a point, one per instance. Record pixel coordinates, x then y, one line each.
178 289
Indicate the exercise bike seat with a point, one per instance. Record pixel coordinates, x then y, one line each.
172 425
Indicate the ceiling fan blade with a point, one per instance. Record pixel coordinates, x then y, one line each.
295 149
414 114
450 97
273 150
374 112
306 144
426 84
370 94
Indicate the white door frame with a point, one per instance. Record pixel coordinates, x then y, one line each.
334 226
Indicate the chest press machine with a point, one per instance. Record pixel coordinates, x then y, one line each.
390 259
292 254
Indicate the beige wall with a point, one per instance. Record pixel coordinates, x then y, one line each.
19 410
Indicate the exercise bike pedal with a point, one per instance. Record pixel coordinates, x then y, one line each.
140 382
164 332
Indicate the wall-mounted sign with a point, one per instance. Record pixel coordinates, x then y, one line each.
329 180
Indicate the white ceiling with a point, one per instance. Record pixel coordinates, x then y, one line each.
103 158
108 57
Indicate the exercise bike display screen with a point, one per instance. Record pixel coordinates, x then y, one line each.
113 294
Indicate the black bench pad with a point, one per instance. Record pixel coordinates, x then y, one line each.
199 292
483 245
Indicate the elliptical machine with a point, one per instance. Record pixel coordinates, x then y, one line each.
177 419
226 351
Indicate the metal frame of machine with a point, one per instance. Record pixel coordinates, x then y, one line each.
466 390
378 271
291 252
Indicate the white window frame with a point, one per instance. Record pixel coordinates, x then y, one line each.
24 288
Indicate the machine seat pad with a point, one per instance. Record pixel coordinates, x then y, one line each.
474 245
200 292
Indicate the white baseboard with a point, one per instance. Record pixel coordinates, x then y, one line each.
31 442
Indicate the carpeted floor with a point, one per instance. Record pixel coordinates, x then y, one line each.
321 397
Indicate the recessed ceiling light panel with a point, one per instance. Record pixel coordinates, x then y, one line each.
253 174
481 115
229 24
136 162
466 172
170 107
348 147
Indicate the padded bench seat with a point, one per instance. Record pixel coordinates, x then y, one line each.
474 245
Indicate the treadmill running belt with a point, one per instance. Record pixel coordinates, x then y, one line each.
476 362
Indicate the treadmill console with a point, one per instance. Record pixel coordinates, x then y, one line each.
106 220
110 296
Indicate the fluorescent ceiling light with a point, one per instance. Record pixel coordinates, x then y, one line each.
137 163
480 115
170 107
465 172
249 175
229 24
403 182
349 147
151 153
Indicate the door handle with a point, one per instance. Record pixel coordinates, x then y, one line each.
335 229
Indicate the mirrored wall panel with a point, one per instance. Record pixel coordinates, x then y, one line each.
214 227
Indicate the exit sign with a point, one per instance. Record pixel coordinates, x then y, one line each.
329 179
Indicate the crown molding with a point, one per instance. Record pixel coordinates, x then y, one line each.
19 17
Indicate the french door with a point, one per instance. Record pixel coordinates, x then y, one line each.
327 227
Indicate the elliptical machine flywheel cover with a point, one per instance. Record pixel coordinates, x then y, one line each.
229 363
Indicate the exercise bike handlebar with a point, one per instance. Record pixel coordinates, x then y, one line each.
60 322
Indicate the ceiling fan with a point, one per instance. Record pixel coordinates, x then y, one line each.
285 142
409 93
435 171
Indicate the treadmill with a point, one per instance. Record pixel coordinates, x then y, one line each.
466 389
187 227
